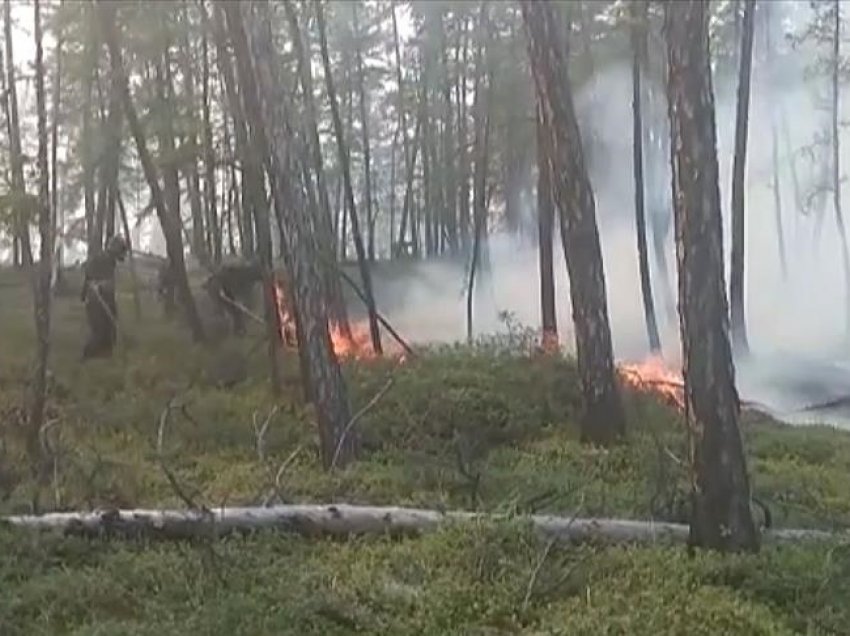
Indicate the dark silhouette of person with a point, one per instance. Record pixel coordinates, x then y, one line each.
98 294
231 288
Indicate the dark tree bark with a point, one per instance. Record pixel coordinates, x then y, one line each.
58 214
168 221
362 99
345 166
90 56
721 516
258 131
736 271
190 171
401 112
836 154
639 50
41 278
109 163
16 157
327 243
214 242
407 204
545 223
264 93
481 125
463 150
604 420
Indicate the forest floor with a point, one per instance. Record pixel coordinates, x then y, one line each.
490 427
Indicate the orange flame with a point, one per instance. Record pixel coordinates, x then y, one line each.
358 346
653 375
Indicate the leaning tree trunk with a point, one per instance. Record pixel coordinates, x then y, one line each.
345 166
639 51
170 225
604 420
736 270
41 278
721 515
836 164
267 105
545 223
16 157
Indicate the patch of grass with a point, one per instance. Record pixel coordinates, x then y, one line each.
490 427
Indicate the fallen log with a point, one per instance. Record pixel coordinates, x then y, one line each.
343 520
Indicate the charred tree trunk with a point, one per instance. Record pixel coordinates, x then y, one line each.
736 271
545 223
639 50
721 516
169 223
345 167
16 157
327 242
322 373
836 154
41 279
604 420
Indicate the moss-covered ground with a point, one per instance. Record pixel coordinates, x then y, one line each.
491 427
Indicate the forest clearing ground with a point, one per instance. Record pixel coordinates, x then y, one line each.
489 427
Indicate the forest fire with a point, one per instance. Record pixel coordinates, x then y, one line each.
357 346
653 375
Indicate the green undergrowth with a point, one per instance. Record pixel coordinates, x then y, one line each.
490 427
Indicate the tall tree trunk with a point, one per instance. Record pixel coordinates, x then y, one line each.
721 516
168 221
90 61
58 214
267 101
836 165
16 157
345 167
463 150
261 135
480 115
190 172
407 204
41 279
125 223
604 420
110 159
213 225
364 131
327 242
639 51
401 111
545 223
736 271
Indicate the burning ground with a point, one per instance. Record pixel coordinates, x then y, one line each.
491 427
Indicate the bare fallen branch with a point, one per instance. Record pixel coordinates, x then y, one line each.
345 520
260 432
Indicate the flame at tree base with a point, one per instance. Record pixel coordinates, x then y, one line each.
357 346
654 375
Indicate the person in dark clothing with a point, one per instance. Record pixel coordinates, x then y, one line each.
166 288
98 294
232 285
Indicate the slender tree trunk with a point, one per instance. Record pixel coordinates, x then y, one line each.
41 277
213 225
604 420
836 154
190 172
345 167
545 223
639 51
58 214
402 125
407 204
327 242
108 166
736 271
267 104
16 157
258 130
721 515
364 130
125 223
770 55
169 222
463 149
